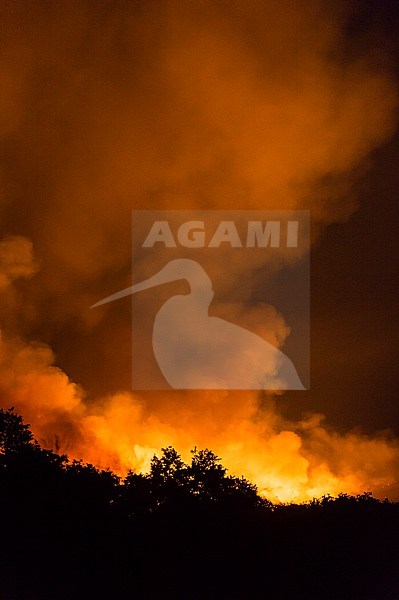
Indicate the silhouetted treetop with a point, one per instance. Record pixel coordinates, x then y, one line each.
14 433
183 531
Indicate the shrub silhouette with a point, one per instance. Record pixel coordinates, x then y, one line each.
182 531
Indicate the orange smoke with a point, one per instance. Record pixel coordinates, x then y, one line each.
106 107
288 461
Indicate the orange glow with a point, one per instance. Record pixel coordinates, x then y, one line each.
107 107
287 461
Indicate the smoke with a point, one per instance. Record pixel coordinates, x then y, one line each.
16 259
106 107
288 461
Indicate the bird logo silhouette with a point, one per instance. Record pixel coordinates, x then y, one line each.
196 351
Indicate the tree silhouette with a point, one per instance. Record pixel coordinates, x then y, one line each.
14 434
207 474
180 532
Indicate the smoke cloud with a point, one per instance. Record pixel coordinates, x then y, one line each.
106 107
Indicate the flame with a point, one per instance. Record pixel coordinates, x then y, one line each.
173 105
288 461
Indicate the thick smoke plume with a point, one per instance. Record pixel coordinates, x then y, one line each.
106 107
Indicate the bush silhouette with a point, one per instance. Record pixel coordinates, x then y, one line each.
182 531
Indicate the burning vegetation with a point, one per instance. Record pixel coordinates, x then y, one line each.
184 531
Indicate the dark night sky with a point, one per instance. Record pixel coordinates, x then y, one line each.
354 307
354 279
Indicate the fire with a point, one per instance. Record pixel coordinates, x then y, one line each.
287 461
175 105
